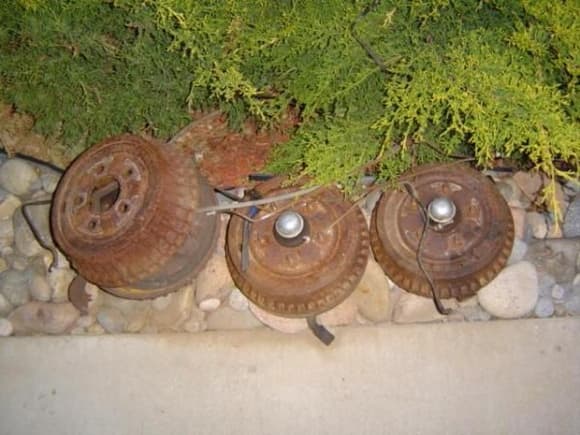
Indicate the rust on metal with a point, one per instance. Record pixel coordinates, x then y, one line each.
124 213
305 279
460 257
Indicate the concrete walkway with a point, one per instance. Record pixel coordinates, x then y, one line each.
520 377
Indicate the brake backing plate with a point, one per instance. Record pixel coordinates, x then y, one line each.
311 276
461 256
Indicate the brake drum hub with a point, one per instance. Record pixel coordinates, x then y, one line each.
124 214
468 239
300 264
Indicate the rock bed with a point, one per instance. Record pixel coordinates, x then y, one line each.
542 278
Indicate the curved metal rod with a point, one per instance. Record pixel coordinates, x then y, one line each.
320 331
269 200
41 241
413 193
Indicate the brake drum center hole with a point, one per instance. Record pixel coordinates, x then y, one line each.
104 195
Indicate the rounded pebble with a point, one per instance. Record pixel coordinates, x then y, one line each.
519 250
237 300
544 308
513 293
112 320
43 317
6 328
14 286
17 176
558 292
40 289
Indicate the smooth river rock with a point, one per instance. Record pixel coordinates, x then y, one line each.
513 293
171 316
214 284
17 176
59 280
372 295
555 257
42 317
8 206
135 313
5 306
544 307
6 233
14 286
112 320
571 226
6 327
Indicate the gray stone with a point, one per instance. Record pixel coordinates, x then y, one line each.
544 307
14 286
3 265
518 253
343 314
112 320
176 312
555 257
474 313
530 183
214 284
40 288
545 284
371 200
573 305
6 327
559 292
196 321
227 318
85 321
572 187
519 216
5 306
59 280
372 295
17 176
237 300
49 181
416 309
16 261
513 293
571 225
43 317
95 329
576 283
538 224
8 206
512 193
6 233
135 313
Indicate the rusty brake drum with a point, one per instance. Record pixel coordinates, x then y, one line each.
304 256
124 213
468 239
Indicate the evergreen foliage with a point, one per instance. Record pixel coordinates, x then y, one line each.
391 83
87 70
